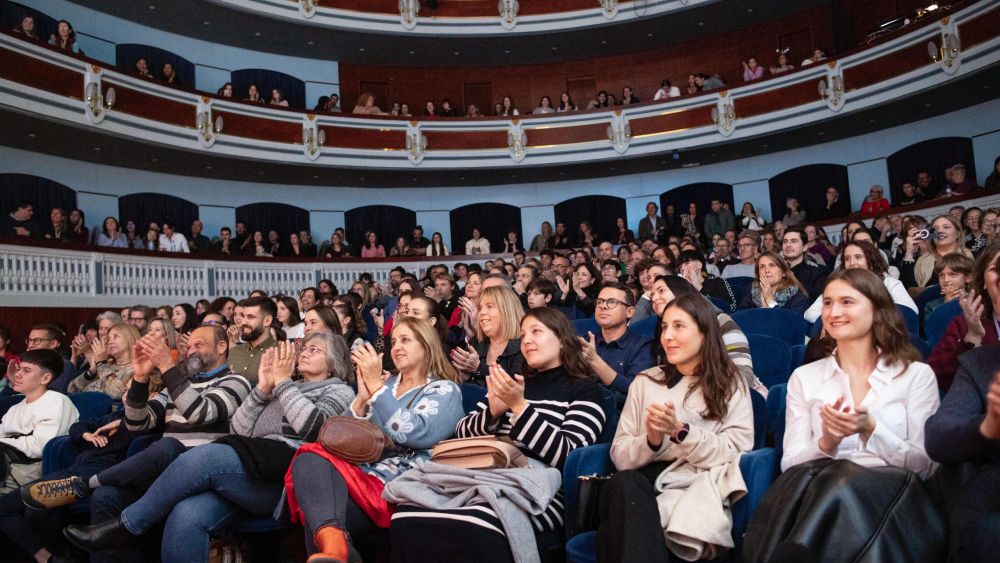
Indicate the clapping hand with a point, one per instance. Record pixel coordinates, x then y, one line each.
589 346
504 392
369 368
284 362
233 332
972 310
466 360
378 317
563 284
142 366
155 348
99 352
766 291
661 421
839 422
265 374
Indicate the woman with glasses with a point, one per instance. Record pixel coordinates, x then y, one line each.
875 203
975 240
989 225
207 488
110 362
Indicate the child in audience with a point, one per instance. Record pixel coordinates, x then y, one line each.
540 293
954 278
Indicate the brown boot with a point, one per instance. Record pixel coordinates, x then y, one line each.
332 546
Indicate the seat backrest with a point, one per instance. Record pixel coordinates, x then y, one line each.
759 419
592 460
722 304
798 357
929 294
772 359
921 345
910 318
472 394
58 454
7 402
937 322
91 404
739 281
583 326
776 414
644 327
570 312
611 416
782 324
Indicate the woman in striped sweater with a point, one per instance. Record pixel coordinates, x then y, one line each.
209 487
555 407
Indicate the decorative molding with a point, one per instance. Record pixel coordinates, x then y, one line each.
416 142
408 12
517 140
619 132
723 114
207 128
831 88
508 13
313 138
949 53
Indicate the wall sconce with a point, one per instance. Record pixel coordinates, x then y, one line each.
508 13
832 92
609 8
947 53
312 139
619 132
416 143
97 103
408 11
207 130
724 117
517 140
308 7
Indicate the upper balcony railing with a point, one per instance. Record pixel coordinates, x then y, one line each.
465 18
40 80
41 273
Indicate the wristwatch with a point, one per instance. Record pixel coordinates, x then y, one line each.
678 436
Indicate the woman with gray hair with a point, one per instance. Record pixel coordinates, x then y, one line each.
209 487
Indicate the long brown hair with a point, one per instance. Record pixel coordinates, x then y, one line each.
435 361
876 262
889 334
570 350
717 375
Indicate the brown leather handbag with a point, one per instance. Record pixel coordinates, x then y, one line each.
355 440
481 452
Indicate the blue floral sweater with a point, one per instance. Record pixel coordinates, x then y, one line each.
420 418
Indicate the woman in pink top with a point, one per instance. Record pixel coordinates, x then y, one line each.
372 249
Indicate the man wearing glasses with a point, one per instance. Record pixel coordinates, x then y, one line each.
746 248
616 354
49 337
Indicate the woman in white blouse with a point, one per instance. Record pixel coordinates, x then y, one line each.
863 255
869 400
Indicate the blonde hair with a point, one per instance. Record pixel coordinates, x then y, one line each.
959 236
511 312
435 362
127 332
168 332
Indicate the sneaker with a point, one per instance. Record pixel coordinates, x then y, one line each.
53 494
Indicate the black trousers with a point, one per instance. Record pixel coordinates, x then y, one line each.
974 518
630 520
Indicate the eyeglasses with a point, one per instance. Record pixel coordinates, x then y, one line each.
36 341
609 303
310 350
747 245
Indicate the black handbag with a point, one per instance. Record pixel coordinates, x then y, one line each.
589 496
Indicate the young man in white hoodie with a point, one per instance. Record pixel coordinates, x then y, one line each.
30 424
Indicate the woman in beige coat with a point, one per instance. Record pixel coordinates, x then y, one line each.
677 448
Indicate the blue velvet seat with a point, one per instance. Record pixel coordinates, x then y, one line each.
772 359
782 324
937 322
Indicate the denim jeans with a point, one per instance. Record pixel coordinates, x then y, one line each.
210 468
325 501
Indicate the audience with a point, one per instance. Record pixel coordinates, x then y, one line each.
775 286
683 428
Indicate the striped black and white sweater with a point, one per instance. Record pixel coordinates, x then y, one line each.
194 410
563 414
293 411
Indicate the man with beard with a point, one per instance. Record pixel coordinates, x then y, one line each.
201 396
255 332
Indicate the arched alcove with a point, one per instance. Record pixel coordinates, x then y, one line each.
281 217
808 185
388 221
701 193
266 80
494 220
932 156
599 210
42 192
145 208
127 53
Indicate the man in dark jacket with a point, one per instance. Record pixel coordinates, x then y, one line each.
809 274
964 435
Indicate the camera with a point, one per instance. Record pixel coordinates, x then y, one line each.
928 233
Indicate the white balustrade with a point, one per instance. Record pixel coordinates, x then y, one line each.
39 271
